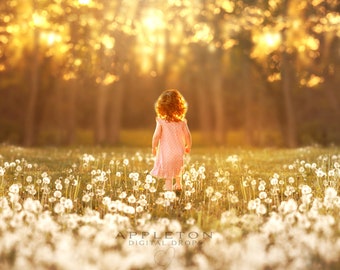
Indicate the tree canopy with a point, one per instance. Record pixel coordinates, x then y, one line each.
262 71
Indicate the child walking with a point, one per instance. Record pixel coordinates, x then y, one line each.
171 139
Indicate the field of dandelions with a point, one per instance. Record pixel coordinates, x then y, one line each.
99 208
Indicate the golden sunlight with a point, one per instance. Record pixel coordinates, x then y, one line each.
272 39
108 42
50 38
266 42
84 2
314 80
203 33
38 20
153 20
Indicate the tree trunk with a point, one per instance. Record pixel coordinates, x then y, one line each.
218 100
115 113
204 109
248 102
71 122
30 119
291 135
100 130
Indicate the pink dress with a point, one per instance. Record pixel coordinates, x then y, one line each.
171 138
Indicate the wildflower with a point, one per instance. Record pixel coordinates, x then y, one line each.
59 208
288 206
147 186
128 209
320 173
170 195
234 199
14 189
122 195
291 180
331 173
261 209
301 170
152 189
261 187
32 205
263 195
46 180
142 202
131 199
330 193
252 205
190 221
2 171
57 194
134 176
106 200
209 191
68 204
86 198
148 179
305 189
59 186
187 206
274 181
139 209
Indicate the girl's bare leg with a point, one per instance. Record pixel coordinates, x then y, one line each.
178 183
168 184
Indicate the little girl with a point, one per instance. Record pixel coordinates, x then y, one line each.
171 139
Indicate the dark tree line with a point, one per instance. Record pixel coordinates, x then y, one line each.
254 72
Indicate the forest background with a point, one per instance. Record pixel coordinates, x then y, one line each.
255 73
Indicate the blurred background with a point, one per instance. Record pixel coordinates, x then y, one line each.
255 73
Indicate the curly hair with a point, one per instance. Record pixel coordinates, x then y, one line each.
171 106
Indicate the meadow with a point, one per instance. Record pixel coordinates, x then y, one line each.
98 208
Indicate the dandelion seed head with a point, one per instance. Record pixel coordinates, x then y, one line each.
209 191
152 189
131 199
261 187
330 193
57 194
291 180
263 195
106 200
148 179
305 189
86 198
46 180
261 209
14 188
288 206
59 208
274 181
234 199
